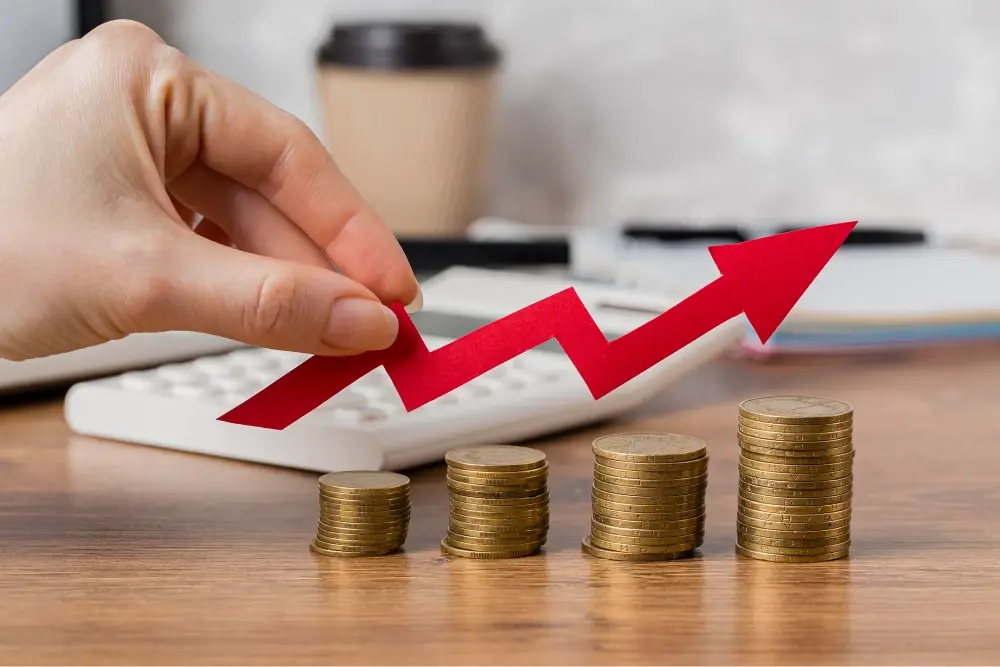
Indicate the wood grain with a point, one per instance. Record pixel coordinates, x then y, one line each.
119 554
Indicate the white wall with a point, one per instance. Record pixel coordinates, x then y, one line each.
804 109
29 30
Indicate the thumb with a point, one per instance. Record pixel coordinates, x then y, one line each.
267 302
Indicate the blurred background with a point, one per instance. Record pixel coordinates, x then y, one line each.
689 109
590 134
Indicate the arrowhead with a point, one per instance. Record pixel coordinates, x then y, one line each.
768 276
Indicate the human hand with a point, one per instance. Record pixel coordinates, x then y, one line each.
109 150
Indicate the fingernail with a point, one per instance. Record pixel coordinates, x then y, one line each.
360 324
417 303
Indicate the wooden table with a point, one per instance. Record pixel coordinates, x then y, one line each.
115 553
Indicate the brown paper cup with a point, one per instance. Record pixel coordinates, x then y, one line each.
408 119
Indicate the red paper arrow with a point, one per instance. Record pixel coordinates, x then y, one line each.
763 278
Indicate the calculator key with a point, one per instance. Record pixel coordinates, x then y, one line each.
142 381
237 384
387 408
251 358
369 391
346 399
264 375
358 415
218 367
180 373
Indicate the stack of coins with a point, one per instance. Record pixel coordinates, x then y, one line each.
648 497
362 513
498 501
796 475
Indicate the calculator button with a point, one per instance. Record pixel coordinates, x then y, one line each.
236 384
180 373
217 367
264 375
252 358
372 414
141 381
346 399
387 408
473 389
358 415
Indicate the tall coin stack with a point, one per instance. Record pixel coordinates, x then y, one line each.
362 513
648 497
796 475
498 502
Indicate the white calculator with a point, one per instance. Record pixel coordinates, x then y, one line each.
177 405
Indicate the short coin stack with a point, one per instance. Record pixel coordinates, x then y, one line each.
362 513
796 475
648 497
498 502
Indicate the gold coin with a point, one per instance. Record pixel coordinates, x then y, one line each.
782 517
363 509
500 503
335 514
767 487
652 540
781 558
796 428
533 520
679 494
837 459
649 447
501 482
335 541
597 526
364 482
792 526
319 549
794 510
495 458
468 517
679 543
812 440
367 528
796 410
694 466
792 445
641 548
765 534
470 545
766 448
642 524
659 506
508 541
493 527
686 483
606 554
485 555
522 535
501 474
477 491
793 551
822 470
480 487
492 510
796 489
608 512
671 476
363 500
787 502
353 549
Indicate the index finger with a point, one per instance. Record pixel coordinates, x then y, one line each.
269 150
